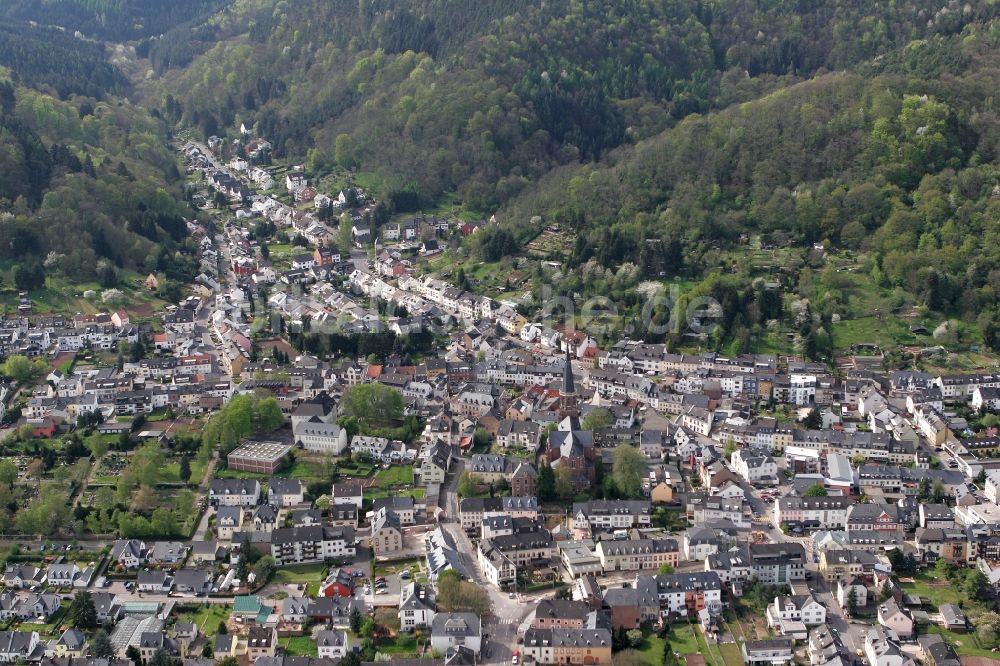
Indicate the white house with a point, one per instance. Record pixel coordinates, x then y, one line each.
331 643
802 608
449 630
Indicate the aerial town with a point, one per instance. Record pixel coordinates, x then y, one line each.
471 487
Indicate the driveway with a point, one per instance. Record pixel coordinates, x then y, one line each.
390 597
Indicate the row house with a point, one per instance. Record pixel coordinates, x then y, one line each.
846 563
300 545
637 554
611 514
568 646
518 434
813 512
684 594
502 556
714 508
950 543
473 510
778 563
804 608
955 388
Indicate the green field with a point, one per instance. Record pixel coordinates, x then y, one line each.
651 648
937 592
299 575
400 644
207 617
396 475
966 645
305 470
298 646
395 566
731 654
171 472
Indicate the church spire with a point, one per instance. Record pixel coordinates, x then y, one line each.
568 387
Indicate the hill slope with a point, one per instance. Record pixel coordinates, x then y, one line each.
439 96
89 187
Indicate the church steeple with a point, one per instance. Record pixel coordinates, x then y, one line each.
567 396
568 387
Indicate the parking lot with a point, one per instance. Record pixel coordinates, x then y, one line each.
381 595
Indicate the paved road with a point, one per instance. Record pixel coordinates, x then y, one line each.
507 613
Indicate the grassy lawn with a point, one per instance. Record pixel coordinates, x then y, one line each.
395 566
298 646
298 575
398 645
966 645
352 469
300 469
376 493
731 654
687 639
396 475
651 648
45 631
207 617
936 591
171 472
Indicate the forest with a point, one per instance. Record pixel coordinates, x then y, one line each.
661 136
89 186
111 20
482 99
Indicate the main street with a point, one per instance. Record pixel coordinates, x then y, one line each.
507 613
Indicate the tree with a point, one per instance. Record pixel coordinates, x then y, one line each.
813 420
132 652
228 661
665 569
976 585
546 483
480 438
816 490
355 620
456 595
103 647
852 602
924 489
82 612
373 403
564 482
22 369
466 485
8 473
598 419
36 469
184 471
388 618
897 560
264 569
937 491
858 459
943 569
628 470
987 627
729 448
269 416
160 658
